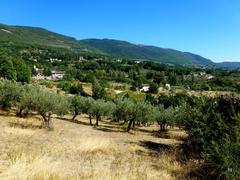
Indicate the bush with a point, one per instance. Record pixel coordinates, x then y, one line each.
65 85
213 127
76 89
153 88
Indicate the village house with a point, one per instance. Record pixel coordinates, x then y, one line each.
145 88
168 87
81 58
56 75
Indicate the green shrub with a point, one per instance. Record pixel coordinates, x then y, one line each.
213 126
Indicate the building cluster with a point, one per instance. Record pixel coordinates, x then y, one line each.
55 75
52 60
200 75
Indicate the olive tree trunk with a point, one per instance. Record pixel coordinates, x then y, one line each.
97 120
90 120
46 120
132 121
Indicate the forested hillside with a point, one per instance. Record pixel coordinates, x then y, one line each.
23 36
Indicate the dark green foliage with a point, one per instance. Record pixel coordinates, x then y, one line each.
213 126
76 89
98 90
23 72
65 85
47 71
14 69
151 99
175 100
158 78
172 78
6 68
153 88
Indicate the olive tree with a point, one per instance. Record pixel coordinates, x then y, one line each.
9 93
45 103
120 112
88 108
63 105
102 108
165 117
77 105
140 112
26 101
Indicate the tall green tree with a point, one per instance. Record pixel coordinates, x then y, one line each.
23 72
98 91
6 68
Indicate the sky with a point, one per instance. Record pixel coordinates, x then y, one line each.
210 28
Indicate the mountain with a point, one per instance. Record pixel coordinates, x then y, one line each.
229 65
37 36
125 49
31 36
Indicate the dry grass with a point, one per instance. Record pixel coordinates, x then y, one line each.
78 151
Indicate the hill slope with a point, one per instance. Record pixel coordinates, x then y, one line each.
133 51
229 65
23 35
37 36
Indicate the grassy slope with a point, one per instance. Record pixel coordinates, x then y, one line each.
78 151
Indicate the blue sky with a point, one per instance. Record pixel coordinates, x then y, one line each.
210 28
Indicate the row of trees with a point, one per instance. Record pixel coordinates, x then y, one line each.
28 98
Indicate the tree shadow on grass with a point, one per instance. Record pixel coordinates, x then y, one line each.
109 129
73 121
155 148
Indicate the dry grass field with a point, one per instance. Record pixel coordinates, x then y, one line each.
75 150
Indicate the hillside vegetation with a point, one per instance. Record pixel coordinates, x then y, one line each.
197 137
142 52
34 36
37 36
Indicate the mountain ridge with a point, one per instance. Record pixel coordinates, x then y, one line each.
147 52
116 48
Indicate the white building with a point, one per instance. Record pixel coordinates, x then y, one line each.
168 87
57 74
51 60
145 88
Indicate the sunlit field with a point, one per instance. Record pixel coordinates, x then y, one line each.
75 150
